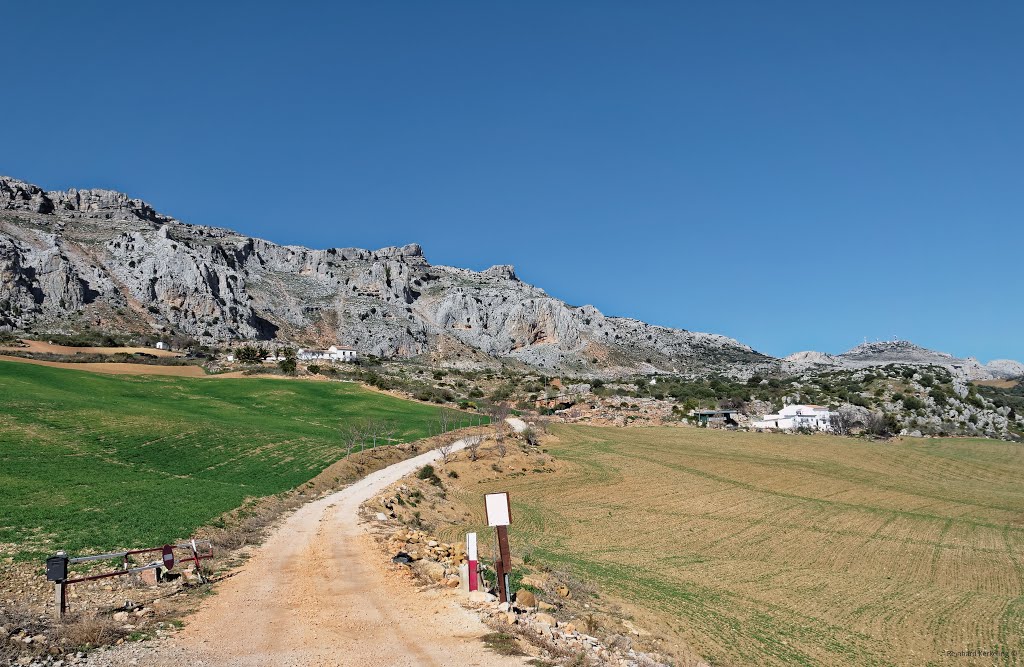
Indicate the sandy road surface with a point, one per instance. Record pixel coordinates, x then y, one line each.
319 593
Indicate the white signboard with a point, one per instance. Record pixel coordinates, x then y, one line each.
471 546
498 512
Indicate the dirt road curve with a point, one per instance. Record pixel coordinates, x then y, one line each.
319 593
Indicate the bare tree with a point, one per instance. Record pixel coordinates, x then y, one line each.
388 431
473 443
446 419
373 430
499 413
842 422
542 424
352 434
445 449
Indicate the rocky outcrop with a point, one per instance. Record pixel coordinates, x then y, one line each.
100 258
882 353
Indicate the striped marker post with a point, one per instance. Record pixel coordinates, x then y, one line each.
474 578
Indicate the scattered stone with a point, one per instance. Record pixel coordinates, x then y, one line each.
525 599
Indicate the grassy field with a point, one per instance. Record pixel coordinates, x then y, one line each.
767 549
90 461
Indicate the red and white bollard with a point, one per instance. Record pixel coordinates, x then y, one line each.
474 577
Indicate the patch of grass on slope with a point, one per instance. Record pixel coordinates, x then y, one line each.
90 461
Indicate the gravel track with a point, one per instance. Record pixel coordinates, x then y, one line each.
319 593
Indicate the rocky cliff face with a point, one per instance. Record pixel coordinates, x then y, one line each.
101 259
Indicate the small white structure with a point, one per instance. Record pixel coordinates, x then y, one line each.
333 353
791 417
162 345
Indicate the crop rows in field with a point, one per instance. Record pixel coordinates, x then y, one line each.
773 549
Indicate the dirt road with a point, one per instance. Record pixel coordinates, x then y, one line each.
318 593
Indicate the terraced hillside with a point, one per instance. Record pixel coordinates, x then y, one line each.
763 549
92 462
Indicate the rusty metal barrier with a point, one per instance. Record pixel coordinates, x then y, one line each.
57 566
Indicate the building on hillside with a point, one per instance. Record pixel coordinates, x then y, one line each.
162 345
792 417
716 418
333 353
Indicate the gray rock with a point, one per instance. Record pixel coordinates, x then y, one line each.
104 258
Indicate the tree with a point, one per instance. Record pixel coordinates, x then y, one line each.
473 447
499 413
352 434
250 354
880 424
287 365
446 419
445 449
842 422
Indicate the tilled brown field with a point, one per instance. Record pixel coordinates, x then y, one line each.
773 549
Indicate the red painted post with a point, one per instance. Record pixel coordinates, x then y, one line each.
471 555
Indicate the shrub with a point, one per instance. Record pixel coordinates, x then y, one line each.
913 403
250 354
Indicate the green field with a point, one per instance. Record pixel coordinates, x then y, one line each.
92 461
771 549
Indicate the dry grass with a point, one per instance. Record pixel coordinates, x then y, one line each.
776 550
998 384
85 631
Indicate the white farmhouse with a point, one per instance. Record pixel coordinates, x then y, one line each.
161 345
333 353
797 416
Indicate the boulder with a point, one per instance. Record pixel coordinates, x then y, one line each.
481 596
525 599
432 570
545 619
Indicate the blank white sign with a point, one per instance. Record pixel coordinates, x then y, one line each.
497 509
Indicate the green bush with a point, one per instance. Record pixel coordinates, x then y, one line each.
913 403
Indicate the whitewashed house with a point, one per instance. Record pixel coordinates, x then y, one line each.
792 417
333 353
160 345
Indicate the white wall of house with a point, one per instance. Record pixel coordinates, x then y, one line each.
333 353
791 417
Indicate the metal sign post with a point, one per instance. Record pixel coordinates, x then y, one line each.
499 515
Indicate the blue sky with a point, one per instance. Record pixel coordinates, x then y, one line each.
798 175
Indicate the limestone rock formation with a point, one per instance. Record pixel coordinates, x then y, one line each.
104 260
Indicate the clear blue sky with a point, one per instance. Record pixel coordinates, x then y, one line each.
798 175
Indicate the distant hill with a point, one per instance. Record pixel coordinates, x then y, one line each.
881 353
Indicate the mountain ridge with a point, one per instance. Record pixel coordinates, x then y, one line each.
101 259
